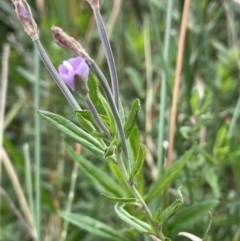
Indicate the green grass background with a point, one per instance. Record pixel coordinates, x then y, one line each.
208 112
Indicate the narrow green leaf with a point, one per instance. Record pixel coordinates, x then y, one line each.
93 93
131 120
84 122
134 140
87 116
111 121
190 215
120 199
205 105
208 227
121 113
207 156
221 139
212 179
93 226
74 132
100 177
167 177
99 135
111 149
139 162
101 104
165 214
131 220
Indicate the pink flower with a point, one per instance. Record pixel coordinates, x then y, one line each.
71 69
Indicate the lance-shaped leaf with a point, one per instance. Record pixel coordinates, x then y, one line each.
95 173
131 220
84 122
165 214
111 149
111 122
93 93
139 162
126 200
74 132
167 177
93 226
100 103
131 120
134 140
87 121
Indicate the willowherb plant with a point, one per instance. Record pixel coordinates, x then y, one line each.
104 129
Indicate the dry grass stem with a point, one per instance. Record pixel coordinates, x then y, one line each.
177 81
18 188
17 213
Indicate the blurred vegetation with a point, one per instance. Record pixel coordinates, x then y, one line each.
209 95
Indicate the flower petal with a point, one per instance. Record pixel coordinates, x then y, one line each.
71 68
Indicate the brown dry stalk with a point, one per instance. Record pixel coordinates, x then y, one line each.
149 98
177 80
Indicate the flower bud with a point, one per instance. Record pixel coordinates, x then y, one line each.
81 85
24 14
69 43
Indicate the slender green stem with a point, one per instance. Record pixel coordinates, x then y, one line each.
161 124
37 146
113 107
3 91
29 179
56 76
136 194
96 116
109 55
147 212
70 200
3 95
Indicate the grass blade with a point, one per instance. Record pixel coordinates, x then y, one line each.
167 177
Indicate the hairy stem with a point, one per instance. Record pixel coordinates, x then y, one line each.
108 53
113 107
136 194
